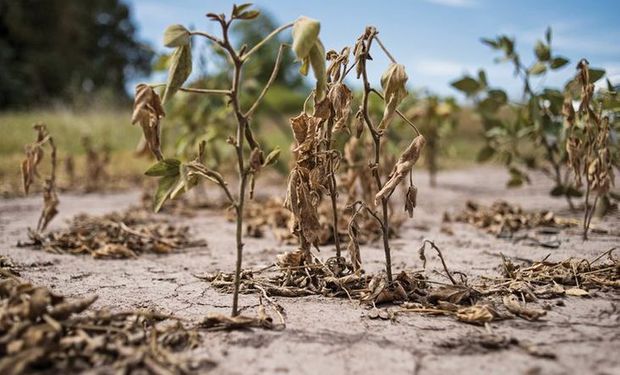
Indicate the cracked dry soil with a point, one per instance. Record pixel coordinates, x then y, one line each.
327 335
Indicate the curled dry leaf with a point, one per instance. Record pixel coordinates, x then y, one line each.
477 314
393 83
405 163
411 199
340 98
148 111
514 306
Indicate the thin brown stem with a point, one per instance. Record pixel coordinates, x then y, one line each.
272 78
387 53
275 32
376 137
399 113
333 193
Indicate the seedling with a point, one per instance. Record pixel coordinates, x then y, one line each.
176 176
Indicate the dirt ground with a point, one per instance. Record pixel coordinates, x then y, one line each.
333 335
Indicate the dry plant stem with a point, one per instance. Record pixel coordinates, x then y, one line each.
443 262
399 113
275 32
243 133
376 137
333 194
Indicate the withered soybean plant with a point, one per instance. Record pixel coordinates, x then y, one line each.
588 143
316 161
34 156
176 176
393 83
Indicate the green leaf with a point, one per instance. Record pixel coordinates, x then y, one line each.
272 157
166 167
176 36
305 34
548 35
249 15
467 84
489 105
558 62
179 71
499 96
542 51
490 42
164 189
238 9
485 154
596 74
482 78
538 68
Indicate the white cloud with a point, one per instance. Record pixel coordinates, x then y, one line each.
454 3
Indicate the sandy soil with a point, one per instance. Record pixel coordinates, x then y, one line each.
333 335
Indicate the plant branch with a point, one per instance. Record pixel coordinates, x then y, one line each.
272 78
275 32
387 53
208 36
399 113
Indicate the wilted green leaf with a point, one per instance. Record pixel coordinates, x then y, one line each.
238 9
272 157
249 15
317 62
305 34
166 167
558 62
164 189
596 74
467 85
499 96
542 51
176 36
485 154
179 71
490 42
538 68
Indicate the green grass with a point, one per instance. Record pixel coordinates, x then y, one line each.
112 127
105 127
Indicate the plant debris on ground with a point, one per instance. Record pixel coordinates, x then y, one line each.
41 331
504 219
123 234
519 292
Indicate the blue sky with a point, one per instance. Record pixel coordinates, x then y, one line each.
437 40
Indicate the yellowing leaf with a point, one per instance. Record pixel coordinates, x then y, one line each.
176 36
305 34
